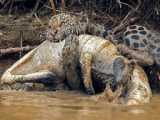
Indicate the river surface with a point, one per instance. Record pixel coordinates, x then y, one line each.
63 105
68 105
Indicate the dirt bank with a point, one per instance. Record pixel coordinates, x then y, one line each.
21 30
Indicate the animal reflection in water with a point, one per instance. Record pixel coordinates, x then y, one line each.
98 61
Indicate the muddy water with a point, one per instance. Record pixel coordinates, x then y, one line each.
68 105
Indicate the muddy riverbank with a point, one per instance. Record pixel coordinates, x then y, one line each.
17 31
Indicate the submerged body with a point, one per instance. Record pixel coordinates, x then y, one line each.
99 62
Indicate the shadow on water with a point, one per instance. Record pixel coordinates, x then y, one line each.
70 105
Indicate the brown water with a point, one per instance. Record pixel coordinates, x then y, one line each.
68 105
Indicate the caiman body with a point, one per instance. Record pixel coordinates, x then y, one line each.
99 62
